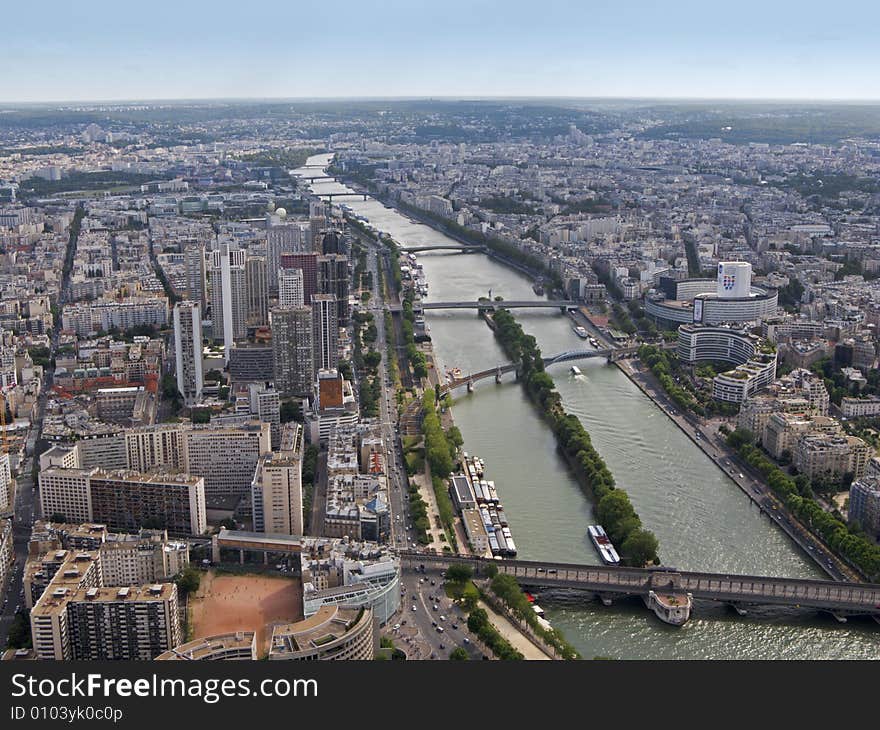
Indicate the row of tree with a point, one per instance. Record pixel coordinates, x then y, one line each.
478 623
508 591
638 546
840 537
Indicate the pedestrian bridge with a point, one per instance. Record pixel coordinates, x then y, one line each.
740 591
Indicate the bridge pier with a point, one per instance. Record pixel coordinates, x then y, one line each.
498 374
605 598
470 386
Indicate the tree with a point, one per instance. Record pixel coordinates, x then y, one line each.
214 375
477 620
458 654
188 581
201 415
372 359
291 411
459 573
640 547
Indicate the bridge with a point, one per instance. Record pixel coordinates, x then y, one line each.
840 599
612 355
440 247
330 196
315 178
493 305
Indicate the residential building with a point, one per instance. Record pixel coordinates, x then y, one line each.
121 623
229 301
276 491
292 349
333 633
325 331
290 288
188 351
864 505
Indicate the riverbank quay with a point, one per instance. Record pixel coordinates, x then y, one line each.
713 444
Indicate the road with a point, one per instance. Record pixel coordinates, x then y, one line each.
402 534
416 631
26 507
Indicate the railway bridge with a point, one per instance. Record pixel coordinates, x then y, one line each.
841 599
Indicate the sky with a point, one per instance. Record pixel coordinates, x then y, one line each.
57 50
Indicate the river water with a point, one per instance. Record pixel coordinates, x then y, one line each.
701 518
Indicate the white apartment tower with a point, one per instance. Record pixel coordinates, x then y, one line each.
276 492
188 350
290 288
229 300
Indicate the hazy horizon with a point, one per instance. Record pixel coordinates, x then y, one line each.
224 50
446 97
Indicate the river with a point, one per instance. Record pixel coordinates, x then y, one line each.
701 518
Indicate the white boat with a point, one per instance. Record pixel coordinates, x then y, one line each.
580 332
603 545
575 370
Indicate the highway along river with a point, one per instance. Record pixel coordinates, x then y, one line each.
700 517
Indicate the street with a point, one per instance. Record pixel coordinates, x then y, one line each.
417 630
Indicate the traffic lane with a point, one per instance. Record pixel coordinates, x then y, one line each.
449 638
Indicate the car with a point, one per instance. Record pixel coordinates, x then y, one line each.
442 646
396 626
433 583
466 640
414 607
436 607
439 629
455 626
442 618
434 624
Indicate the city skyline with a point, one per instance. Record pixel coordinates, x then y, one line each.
778 52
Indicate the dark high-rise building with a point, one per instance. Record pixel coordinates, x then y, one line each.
194 260
331 243
257 291
292 349
325 328
333 279
308 262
